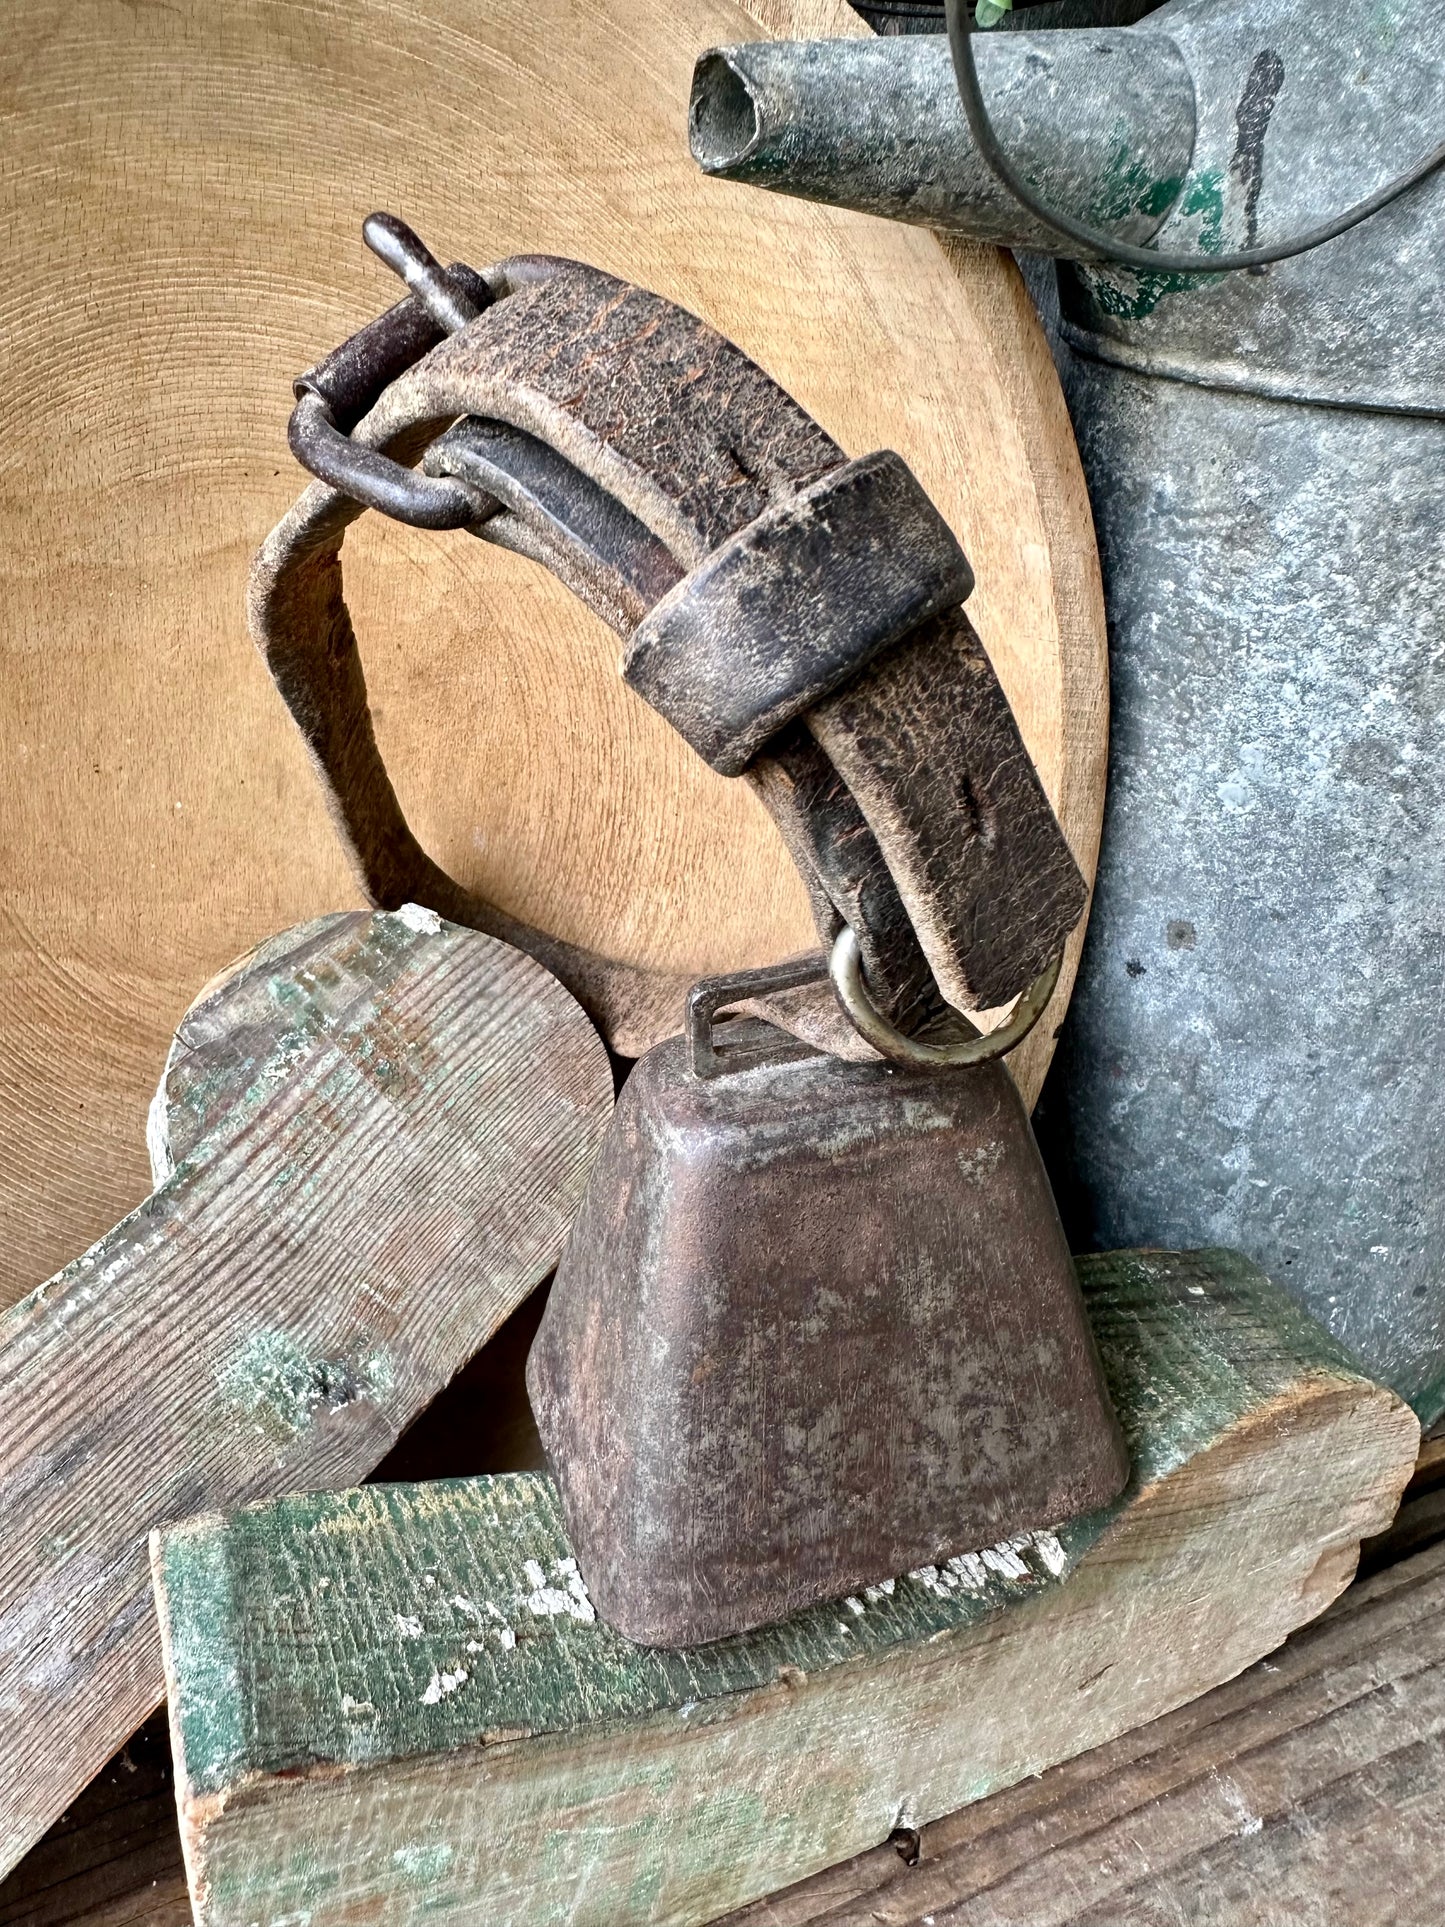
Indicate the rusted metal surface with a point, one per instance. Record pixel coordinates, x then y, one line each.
373 479
817 1324
740 1040
332 397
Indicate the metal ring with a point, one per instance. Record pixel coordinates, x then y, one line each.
374 479
845 967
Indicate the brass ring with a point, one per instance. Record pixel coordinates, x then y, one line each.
845 967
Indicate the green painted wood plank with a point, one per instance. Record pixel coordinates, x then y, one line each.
482 1625
416 1670
370 1143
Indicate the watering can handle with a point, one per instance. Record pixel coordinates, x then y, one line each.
1098 242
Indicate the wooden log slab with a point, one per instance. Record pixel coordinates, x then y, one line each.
182 191
397 1703
378 1132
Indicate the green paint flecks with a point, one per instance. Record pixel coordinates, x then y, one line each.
199 1616
1128 294
424 1861
1129 186
428 1581
272 1382
1190 1343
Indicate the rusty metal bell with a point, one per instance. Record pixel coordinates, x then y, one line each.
816 1325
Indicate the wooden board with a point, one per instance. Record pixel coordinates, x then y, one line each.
1354 1830
1419 1522
182 193
1310 1791
396 1703
114 1859
379 1131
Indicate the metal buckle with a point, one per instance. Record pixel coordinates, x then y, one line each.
365 474
374 479
747 1041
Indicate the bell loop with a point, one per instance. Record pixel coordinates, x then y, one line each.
845 967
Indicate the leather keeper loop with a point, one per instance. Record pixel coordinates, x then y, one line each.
791 608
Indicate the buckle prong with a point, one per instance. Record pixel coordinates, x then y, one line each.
364 474
406 254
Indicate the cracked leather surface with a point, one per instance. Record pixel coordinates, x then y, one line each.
620 441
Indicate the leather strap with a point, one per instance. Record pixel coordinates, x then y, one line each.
798 616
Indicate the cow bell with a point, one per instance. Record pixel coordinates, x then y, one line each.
817 1325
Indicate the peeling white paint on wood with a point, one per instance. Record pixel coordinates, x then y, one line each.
570 1597
680 1783
441 1684
417 917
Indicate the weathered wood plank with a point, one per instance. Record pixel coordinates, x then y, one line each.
1421 1518
1310 1790
383 1128
1322 1861
395 1702
114 1859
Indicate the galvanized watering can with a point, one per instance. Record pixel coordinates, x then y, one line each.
1255 1050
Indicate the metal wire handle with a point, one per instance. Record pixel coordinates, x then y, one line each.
1065 227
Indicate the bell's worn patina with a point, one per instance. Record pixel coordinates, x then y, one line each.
817 1325
1254 1053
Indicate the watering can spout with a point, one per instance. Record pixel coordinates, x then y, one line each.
725 115
1105 118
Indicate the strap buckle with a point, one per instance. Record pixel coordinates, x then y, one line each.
448 299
